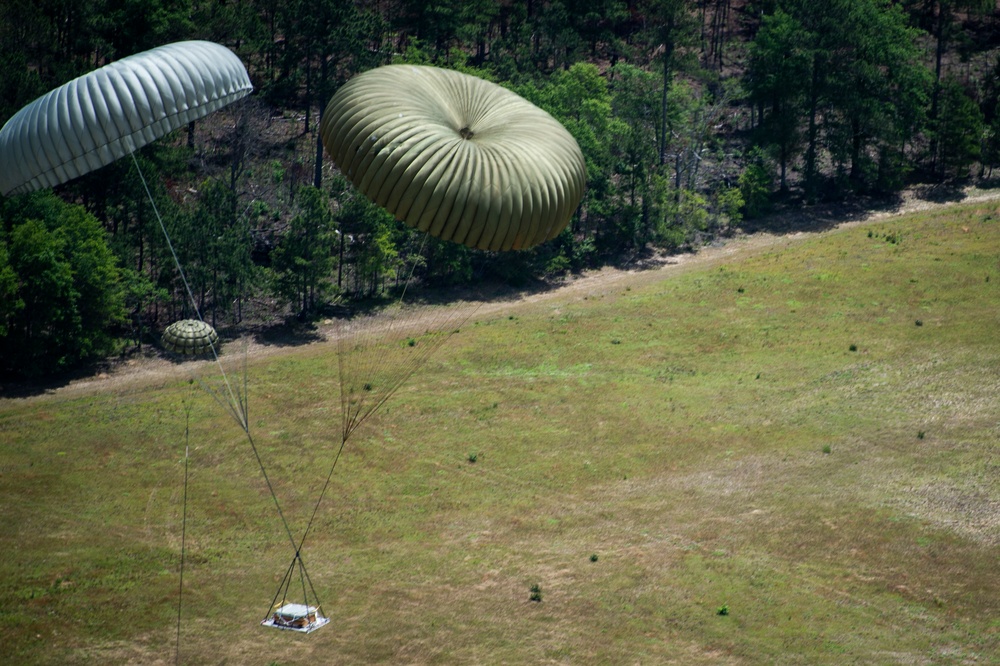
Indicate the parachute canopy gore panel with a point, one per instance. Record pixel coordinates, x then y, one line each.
456 156
296 617
102 116
190 337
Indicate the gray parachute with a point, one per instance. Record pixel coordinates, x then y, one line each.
102 116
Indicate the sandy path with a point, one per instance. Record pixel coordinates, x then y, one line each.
137 372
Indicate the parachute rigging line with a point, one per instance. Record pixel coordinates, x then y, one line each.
286 583
180 587
356 405
354 414
351 420
237 406
96 119
236 402
399 375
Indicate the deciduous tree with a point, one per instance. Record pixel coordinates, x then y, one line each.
60 285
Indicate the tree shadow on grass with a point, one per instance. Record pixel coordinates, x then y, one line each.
14 387
289 333
422 295
795 217
940 193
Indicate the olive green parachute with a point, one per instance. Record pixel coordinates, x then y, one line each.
455 156
191 337
104 115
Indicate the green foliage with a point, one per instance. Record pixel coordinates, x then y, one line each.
212 241
680 215
830 97
520 268
729 205
372 253
59 283
10 303
990 152
635 104
777 69
304 257
443 263
756 183
844 77
580 99
536 592
19 84
959 130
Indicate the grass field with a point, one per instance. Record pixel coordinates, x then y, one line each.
788 455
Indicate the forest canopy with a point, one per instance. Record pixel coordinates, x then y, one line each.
692 115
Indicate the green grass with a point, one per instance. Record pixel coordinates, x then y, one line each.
708 431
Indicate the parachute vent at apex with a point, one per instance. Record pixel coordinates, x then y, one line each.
97 118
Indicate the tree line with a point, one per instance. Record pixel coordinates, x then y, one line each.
692 115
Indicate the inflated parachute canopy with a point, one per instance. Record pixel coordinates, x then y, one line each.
191 337
99 117
455 156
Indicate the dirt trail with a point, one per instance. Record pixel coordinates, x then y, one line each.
137 372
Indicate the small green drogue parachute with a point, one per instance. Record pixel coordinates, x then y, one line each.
191 337
455 156
104 115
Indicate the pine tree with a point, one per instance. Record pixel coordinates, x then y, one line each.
777 73
958 130
303 259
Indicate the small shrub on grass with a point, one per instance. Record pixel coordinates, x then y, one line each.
826 449
410 342
755 184
473 457
853 348
723 610
536 592
593 557
920 434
